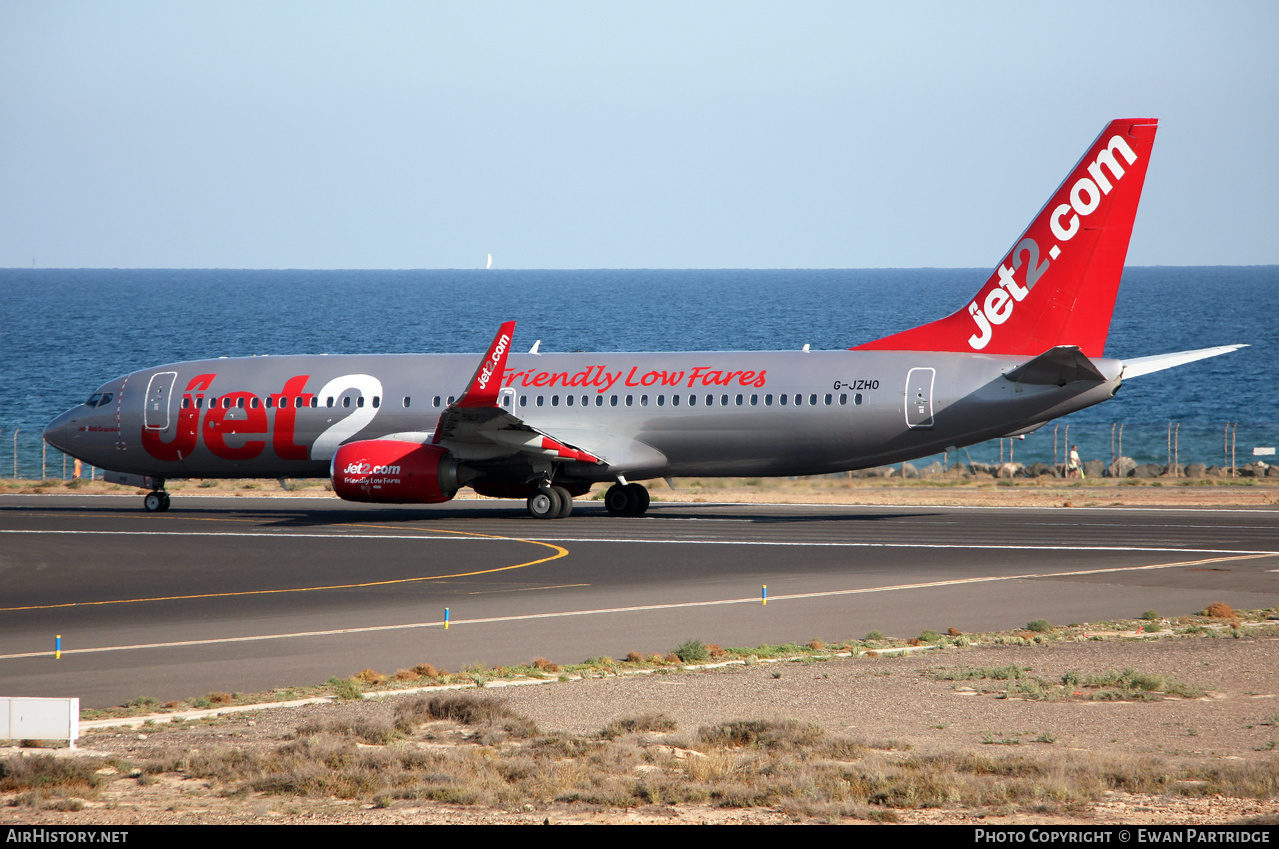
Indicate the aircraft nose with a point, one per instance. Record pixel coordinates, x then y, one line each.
60 431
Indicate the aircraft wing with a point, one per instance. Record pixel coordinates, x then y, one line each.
475 427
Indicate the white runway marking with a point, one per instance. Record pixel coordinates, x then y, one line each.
457 623
654 541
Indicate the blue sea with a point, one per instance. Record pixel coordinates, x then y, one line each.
66 331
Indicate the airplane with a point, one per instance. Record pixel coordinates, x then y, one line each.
545 427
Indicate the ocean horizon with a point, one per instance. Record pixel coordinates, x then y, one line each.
69 330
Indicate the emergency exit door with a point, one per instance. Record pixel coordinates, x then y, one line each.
919 398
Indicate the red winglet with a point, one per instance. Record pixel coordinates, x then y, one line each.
487 380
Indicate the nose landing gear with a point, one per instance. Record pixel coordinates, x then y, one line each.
157 500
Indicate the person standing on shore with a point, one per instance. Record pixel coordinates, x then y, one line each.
1073 465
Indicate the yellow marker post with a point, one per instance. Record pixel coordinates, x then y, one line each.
446 619
764 594
57 648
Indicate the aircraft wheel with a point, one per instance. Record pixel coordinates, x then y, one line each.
620 500
156 502
545 504
566 502
641 499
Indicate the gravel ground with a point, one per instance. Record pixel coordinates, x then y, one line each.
1236 719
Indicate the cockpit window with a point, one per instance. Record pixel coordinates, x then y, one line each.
99 399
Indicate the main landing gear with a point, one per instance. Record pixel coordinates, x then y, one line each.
550 502
156 502
626 499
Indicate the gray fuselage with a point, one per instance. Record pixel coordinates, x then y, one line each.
644 415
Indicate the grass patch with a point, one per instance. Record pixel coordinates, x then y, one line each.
759 733
346 688
1127 685
645 723
692 651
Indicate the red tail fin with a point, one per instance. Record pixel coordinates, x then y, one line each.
1058 284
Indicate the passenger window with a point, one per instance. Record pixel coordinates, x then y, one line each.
253 402
359 402
630 400
435 402
346 400
739 400
315 400
754 400
523 400
377 401
270 402
555 400
612 400
692 400
812 400
199 401
768 400
186 402
328 402
539 400
782 399
452 398
643 400
568 399
406 402
599 400
843 398
585 401
723 400
857 399
828 398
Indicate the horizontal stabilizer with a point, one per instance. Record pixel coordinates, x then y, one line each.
1138 366
1057 367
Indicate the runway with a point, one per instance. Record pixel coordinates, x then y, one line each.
242 594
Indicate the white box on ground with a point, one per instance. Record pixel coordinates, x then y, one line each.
40 719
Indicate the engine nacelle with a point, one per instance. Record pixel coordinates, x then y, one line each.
389 471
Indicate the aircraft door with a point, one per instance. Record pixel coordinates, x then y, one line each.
919 398
155 412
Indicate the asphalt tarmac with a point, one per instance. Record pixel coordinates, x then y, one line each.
244 594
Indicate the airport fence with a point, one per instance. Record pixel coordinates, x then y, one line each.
24 454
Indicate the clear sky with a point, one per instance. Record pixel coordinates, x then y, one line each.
618 135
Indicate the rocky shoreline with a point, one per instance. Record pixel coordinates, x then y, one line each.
1123 467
